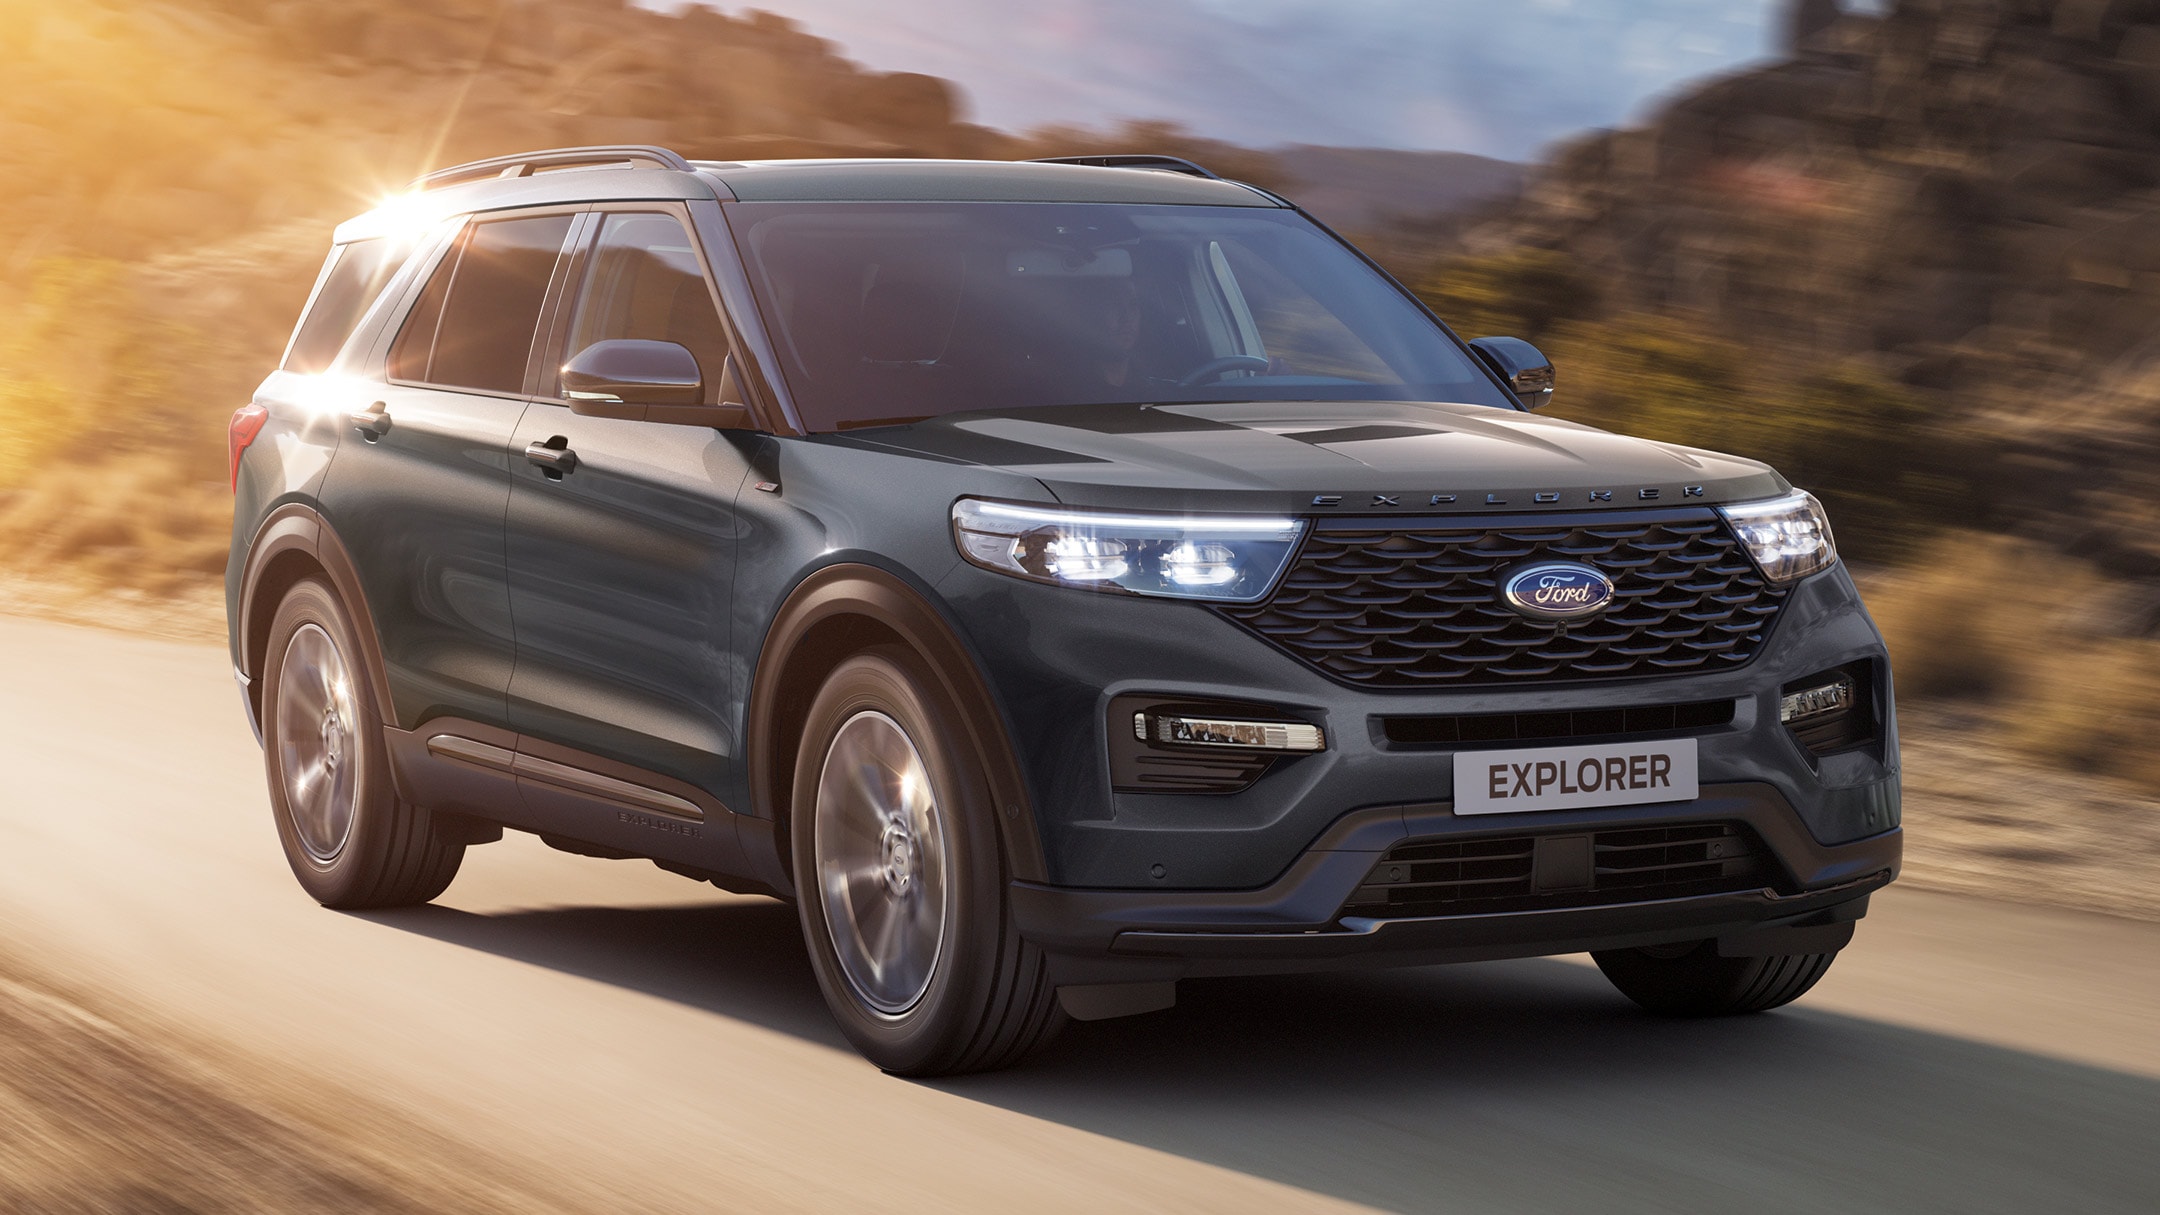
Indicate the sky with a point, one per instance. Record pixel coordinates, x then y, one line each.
1498 77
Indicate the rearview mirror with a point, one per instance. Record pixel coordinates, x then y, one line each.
1526 371
646 381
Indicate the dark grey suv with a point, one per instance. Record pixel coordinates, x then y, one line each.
1058 579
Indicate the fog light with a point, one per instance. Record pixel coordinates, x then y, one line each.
1809 703
1215 732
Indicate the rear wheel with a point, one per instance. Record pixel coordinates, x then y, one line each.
1692 980
900 879
349 839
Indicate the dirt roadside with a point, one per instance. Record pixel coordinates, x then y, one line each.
106 1111
196 613
1980 821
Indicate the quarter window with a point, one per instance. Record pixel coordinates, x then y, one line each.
646 283
356 276
415 343
473 326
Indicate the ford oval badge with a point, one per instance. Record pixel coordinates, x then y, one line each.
1558 590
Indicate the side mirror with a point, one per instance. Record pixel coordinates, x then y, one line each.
646 381
1526 371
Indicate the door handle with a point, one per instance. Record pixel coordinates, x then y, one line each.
553 456
372 421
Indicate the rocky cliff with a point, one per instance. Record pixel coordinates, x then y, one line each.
1963 195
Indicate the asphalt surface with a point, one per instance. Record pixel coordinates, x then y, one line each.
638 1042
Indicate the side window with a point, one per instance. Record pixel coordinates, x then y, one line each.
473 325
415 343
356 276
645 282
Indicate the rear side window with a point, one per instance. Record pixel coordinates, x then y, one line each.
357 274
473 326
415 343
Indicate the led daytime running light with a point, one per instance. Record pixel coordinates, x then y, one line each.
1232 559
1789 536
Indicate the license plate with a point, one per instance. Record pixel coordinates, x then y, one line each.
1569 778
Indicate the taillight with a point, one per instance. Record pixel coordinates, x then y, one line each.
247 422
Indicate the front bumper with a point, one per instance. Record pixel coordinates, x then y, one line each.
1145 887
1056 658
1294 923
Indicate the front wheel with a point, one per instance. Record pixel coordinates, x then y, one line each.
900 879
350 839
1692 980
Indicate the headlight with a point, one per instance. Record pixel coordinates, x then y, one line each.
1231 559
1789 537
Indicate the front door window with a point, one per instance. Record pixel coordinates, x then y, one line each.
646 283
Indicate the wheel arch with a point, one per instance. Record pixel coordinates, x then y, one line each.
836 612
293 543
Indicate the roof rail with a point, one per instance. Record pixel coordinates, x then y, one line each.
1160 164
524 164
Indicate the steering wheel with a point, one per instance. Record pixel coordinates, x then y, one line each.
1217 368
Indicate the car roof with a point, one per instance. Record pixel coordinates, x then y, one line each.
970 181
572 176
633 174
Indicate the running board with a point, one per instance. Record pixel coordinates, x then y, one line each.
564 776
454 766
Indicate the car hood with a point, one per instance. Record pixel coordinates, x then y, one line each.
1360 457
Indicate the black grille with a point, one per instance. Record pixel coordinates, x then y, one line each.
1421 607
1518 873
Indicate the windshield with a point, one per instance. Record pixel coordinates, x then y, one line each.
888 312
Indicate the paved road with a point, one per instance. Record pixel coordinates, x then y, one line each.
661 1044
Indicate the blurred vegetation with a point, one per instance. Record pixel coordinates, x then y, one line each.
106 463
1164 138
1525 293
1867 445
120 521
2043 645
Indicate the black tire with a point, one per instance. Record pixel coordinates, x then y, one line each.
986 1001
387 852
1680 981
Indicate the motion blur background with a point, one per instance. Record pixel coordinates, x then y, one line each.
1910 254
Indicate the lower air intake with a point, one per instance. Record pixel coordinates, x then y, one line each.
1584 869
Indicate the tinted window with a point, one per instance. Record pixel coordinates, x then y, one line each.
489 305
646 282
357 275
416 339
888 311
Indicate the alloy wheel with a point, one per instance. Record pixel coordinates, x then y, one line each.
318 737
880 847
